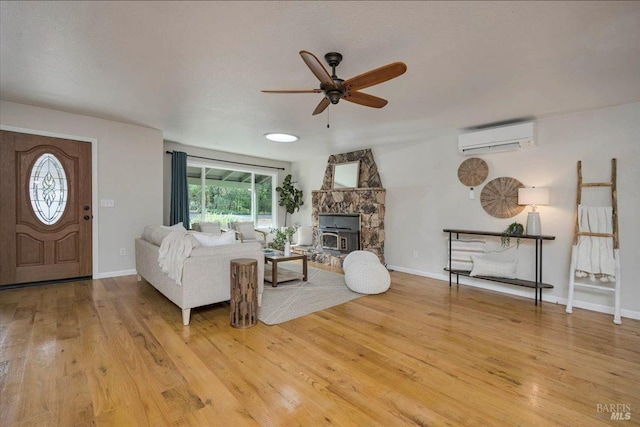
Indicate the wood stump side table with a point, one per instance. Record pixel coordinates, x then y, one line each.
244 293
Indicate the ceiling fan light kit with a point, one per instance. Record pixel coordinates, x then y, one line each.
335 88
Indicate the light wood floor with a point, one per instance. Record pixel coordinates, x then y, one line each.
114 352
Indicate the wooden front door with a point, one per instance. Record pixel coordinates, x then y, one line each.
45 208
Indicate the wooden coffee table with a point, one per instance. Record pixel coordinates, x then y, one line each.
278 258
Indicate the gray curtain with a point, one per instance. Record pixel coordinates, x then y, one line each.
179 211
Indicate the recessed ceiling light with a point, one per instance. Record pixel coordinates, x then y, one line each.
280 137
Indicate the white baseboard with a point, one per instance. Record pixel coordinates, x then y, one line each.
516 290
108 274
630 314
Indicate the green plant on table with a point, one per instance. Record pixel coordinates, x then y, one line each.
514 229
282 235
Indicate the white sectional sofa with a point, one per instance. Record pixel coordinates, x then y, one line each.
205 274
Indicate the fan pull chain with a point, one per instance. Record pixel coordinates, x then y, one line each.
328 118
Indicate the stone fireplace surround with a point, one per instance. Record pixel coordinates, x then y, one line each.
368 200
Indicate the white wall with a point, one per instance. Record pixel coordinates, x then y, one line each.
424 196
423 192
129 171
222 157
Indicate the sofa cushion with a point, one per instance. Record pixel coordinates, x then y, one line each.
155 233
208 227
206 239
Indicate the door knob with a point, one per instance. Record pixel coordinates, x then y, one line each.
87 217
86 208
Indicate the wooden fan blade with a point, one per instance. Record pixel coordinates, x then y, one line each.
294 91
317 68
321 107
374 77
365 99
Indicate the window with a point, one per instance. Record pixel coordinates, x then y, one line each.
224 195
48 189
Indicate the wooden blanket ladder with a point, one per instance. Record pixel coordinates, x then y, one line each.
614 235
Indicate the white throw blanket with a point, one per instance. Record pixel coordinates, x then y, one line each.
174 249
595 254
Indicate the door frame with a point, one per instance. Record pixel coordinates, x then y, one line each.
95 238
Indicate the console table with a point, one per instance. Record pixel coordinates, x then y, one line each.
537 284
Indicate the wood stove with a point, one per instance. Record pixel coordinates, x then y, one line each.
339 232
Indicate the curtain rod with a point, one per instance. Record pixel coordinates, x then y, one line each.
229 161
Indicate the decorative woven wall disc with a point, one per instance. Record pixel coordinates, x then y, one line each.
500 197
473 172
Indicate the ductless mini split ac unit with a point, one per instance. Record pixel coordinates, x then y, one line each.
495 140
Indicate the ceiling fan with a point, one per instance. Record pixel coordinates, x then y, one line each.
335 88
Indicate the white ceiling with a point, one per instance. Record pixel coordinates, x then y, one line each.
195 69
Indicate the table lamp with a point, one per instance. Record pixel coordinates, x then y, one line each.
533 196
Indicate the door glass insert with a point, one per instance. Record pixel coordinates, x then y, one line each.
48 189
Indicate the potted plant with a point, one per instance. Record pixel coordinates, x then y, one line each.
514 229
282 236
290 197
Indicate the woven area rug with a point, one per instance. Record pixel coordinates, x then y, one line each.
297 298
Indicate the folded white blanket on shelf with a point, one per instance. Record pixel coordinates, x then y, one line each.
461 252
174 249
595 254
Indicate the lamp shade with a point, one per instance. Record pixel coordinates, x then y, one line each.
533 196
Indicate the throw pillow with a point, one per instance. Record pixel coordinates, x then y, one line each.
486 267
205 239
210 228
247 230
304 236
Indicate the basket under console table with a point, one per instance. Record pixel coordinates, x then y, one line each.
536 284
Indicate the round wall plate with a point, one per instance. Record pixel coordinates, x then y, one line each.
499 198
472 172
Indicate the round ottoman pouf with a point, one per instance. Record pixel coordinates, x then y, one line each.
359 256
367 277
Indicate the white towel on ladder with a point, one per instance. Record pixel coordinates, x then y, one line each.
595 254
